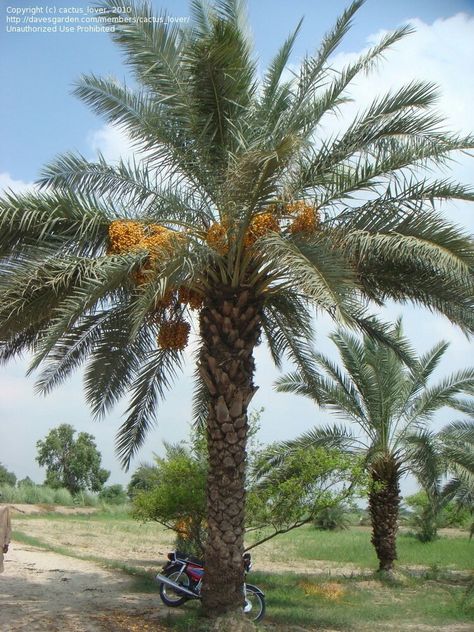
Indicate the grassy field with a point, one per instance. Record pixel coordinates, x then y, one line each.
312 579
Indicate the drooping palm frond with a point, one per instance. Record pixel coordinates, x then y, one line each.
150 386
443 394
423 459
114 362
29 222
457 450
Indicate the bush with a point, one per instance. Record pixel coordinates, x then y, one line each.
84 499
31 494
6 477
335 518
63 497
113 495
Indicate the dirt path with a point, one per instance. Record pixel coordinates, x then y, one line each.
42 591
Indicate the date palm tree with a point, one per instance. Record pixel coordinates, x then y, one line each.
457 457
237 214
389 407
448 472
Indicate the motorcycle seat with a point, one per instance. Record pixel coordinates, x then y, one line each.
184 557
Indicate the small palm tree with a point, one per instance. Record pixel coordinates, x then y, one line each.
237 215
457 457
448 474
392 405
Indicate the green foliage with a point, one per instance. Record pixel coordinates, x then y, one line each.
144 478
6 477
455 516
25 481
178 499
307 482
73 463
32 494
333 518
113 495
427 515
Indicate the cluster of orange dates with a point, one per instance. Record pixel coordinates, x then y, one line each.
131 236
304 218
157 241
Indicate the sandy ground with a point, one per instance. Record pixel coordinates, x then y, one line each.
47 592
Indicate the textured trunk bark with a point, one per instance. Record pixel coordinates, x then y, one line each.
384 505
230 329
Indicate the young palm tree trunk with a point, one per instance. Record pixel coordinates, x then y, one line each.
384 504
230 328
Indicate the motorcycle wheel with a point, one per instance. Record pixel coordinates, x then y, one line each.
171 597
254 608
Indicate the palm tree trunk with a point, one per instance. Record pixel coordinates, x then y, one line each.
384 505
230 329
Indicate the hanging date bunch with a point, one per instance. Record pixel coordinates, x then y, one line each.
306 217
216 238
127 236
188 296
174 334
261 225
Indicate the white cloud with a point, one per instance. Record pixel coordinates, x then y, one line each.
112 142
442 52
18 186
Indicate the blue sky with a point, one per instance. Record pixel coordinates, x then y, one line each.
39 118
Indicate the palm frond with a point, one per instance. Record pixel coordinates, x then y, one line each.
156 377
442 394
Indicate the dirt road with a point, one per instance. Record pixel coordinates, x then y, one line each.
42 591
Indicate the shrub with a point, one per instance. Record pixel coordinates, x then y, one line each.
113 495
335 518
6 477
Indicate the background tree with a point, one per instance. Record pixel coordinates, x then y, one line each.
457 450
7 477
427 518
392 406
71 462
145 478
239 208
448 482
334 518
113 494
27 481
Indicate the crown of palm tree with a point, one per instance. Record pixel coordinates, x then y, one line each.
455 445
389 403
234 188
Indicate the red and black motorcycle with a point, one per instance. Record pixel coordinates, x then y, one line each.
181 579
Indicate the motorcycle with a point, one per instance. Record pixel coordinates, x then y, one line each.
181 580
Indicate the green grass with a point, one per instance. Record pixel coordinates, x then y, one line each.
362 604
353 547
